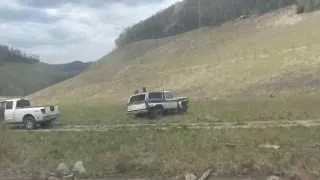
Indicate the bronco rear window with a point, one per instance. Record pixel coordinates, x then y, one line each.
137 99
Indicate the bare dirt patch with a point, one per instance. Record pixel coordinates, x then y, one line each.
168 126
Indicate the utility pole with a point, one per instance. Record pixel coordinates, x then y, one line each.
199 13
199 22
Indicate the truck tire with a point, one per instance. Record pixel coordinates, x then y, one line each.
183 108
156 112
29 122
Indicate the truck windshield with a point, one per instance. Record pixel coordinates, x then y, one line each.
137 99
23 103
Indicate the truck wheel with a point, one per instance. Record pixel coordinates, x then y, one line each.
156 112
183 108
29 122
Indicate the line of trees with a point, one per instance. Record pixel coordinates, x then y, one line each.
10 54
193 14
148 29
307 5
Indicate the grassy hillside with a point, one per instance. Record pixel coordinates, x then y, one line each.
18 79
22 74
228 72
189 15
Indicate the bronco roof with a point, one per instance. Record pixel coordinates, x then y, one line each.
11 98
144 93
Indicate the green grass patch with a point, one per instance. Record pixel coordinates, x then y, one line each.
236 109
173 152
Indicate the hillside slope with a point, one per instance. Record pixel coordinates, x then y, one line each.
189 15
22 74
18 79
274 53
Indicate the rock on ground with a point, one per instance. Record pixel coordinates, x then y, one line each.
190 176
273 178
205 175
52 178
69 177
79 168
63 169
270 146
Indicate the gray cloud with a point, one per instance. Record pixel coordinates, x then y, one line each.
90 3
25 14
67 30
53 36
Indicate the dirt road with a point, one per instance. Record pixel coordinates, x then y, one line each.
165 126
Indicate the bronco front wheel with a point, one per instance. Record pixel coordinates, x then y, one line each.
183 107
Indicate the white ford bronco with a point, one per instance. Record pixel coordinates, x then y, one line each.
156 103
19 111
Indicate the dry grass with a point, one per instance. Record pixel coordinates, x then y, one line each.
239 109
176 151
7 152
10 156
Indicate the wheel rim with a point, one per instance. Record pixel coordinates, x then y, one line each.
29 124
158 112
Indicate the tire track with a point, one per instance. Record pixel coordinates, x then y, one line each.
166 126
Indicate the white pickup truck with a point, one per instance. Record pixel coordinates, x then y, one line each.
19 111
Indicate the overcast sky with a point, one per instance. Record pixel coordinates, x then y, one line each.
70 30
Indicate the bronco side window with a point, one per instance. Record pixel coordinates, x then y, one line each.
155 95
169 95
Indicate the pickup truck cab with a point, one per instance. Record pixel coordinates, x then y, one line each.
20 111
156 103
